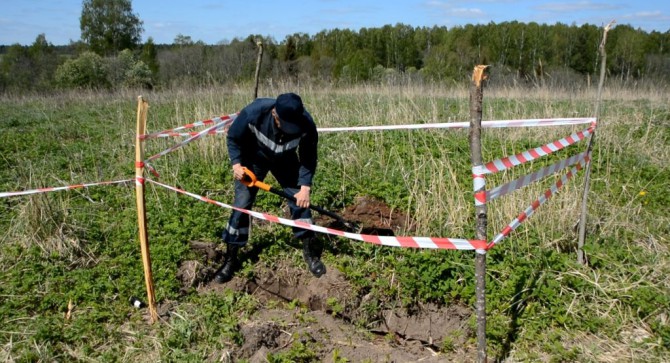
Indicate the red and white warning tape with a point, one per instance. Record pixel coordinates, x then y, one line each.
462 125
532 154
190 139
414 242
445 125
479 183
519 183
53 189
405 241
538 202
226 119
193 133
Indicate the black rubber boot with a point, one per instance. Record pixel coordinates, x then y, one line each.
230 265
311 251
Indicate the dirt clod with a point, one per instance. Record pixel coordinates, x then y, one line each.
258 335
191 273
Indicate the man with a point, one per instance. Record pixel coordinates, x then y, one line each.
277 136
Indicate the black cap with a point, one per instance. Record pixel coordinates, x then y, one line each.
290 110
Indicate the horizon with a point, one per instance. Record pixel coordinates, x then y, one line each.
277 41
210 23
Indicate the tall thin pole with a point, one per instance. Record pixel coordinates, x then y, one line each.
142 109
476 96
587 173
258 67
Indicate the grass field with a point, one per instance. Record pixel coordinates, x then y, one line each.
76 253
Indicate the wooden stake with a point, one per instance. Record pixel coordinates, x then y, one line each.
587 173
476 96
142 109
258 66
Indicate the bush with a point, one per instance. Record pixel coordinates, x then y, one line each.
89 70
127 71
138 75
86 71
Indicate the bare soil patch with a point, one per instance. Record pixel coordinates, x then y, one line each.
328 315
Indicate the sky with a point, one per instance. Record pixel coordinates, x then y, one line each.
212 22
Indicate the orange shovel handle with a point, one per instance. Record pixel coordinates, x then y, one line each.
249 179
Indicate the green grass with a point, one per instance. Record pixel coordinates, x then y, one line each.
80 246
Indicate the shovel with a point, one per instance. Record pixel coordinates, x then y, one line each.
250 180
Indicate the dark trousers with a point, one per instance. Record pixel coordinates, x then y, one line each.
237 230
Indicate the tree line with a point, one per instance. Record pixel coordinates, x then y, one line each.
111 55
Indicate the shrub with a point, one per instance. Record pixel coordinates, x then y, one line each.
127 71
86 71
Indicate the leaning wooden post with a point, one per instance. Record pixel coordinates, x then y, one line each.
476 95
587 172
258 67
142 108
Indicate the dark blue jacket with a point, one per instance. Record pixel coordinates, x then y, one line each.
254 134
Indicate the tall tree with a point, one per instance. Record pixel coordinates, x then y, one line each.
44 60
109 26
150 56
16 68
627 51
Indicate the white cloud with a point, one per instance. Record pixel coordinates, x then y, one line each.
213 6
576 6
647 20
450 10
648 15
467 12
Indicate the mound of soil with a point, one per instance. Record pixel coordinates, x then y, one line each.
331 312
372 216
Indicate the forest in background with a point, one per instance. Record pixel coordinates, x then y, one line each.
534 54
